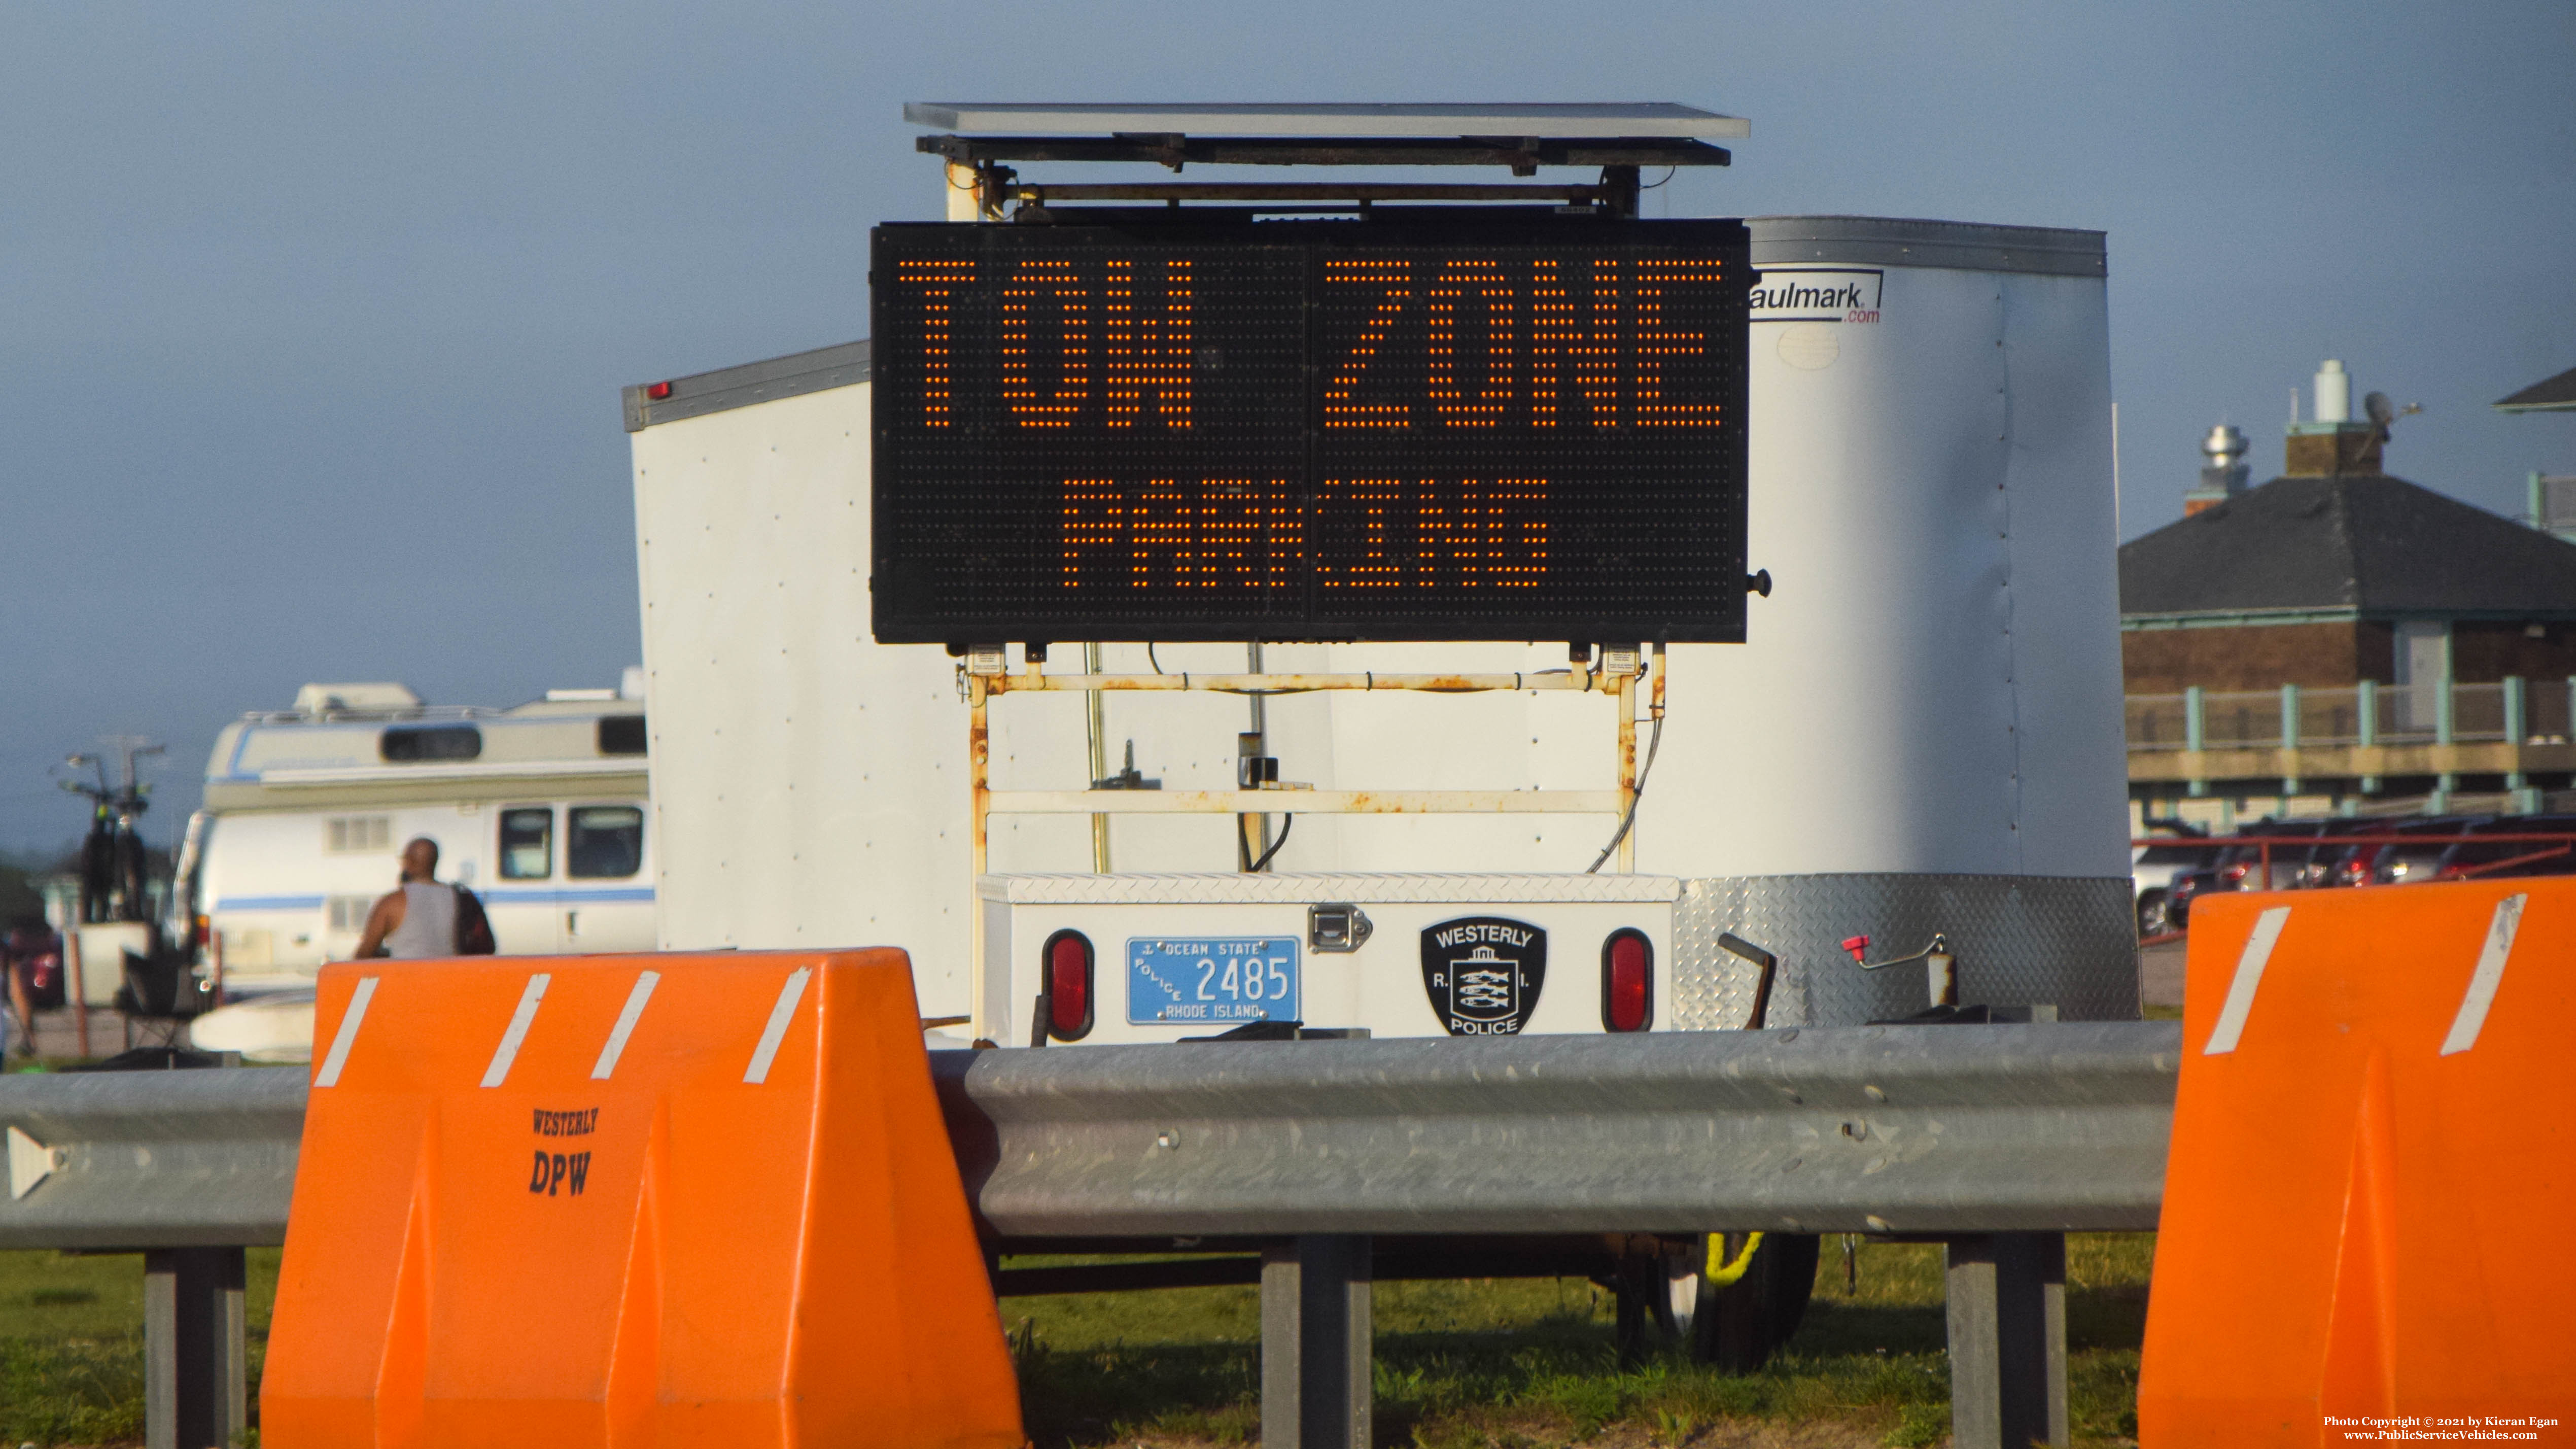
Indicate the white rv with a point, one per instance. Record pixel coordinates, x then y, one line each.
539 809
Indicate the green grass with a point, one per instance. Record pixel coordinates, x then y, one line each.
71 1344
1460 1365
1531 1364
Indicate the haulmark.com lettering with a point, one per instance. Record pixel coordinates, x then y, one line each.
1817 294
1794 296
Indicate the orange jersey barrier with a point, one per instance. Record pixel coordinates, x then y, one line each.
2370 1152
641 1200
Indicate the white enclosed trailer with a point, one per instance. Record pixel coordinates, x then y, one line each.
1922 734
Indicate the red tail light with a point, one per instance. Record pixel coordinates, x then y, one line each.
657 391
1627 981
1068 985
2234 874
203 932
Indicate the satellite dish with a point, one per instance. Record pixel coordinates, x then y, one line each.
2382 412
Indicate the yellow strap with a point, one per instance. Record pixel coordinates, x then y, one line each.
1720 1271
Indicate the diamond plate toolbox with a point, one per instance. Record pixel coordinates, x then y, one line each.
2021 940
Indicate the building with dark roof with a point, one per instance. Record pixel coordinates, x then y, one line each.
2550 395
2341 638
2316 579
2553 499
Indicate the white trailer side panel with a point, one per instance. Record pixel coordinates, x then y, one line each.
798 771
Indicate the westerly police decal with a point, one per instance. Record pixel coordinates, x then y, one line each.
1484 973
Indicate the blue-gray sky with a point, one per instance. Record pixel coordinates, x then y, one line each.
312 318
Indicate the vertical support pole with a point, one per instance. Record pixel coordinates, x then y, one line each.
2445 725
2517 729
1257 828
2368 733
965 192
195 1391
979 783
2290 743
1096 729
1282 1344
1628 769
1619 190
1316 1373
2192 740
76 977
2007 1321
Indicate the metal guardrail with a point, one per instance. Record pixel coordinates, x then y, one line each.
1994 1138
187 1159
1837 1129
1897 1129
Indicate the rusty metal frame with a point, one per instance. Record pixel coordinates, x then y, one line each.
980 689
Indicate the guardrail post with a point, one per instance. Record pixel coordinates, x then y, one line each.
1317 1375
195 1372
2007 1311
2191 735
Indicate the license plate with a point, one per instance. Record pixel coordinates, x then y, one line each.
1211 980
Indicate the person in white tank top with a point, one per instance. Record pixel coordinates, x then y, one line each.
417 919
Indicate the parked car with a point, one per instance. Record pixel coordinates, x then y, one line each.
2477 858
2239 866
2351 864
2418 853
2154 868
2292 862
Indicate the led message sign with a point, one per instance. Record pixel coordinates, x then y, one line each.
1438 426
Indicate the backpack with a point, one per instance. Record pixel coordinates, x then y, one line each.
473 928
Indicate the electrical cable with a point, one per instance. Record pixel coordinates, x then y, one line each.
1150 659
1654 742
1286 824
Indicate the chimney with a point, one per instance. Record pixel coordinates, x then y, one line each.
2333 443
2222 472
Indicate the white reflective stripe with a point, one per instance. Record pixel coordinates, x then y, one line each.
347 1036
508 1051
776 1031
617 1034
2489 975
2249 975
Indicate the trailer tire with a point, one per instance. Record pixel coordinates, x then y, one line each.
1739 1325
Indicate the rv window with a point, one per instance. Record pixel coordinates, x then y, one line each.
605 841
621 734
528 843
408 744
358 834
